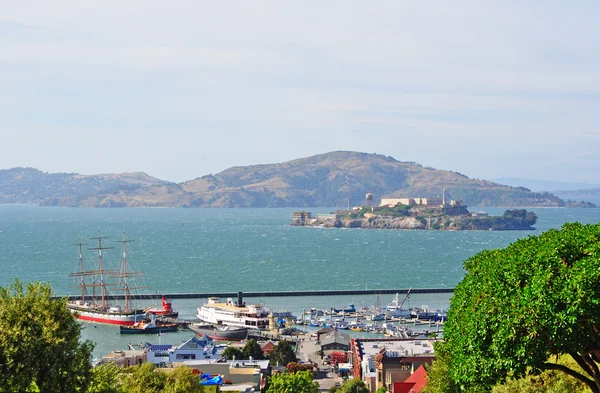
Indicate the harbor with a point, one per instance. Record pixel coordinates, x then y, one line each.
304 293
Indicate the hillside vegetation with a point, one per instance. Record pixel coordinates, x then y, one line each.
321 180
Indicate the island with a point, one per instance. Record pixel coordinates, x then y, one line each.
419 213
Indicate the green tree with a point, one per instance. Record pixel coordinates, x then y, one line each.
253 349
233 352
517 307
282 354
300 382
39 343
105 379
438 372
183 380
144 379
354 386
549 381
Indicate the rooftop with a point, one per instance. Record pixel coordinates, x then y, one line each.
395 347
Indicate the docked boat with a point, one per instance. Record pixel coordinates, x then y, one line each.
252 316
166 310
151 327
348 310
94 307
396 308
228 333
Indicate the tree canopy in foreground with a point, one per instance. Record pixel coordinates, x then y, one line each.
299 382
39 342
517 307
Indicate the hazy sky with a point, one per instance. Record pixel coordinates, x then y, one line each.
180 89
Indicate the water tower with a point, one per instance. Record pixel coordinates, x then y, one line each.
369 199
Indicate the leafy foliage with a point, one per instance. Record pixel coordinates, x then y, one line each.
39 344
353 386
549 381
282 354
438 372
252 349
300 382
518 306
232 352
105 379
144 379
337 357
183 380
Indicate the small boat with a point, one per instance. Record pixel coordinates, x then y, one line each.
152 327
166 310
348 310
229 333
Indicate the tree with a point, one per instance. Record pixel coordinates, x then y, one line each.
517 307
337 357
438 372
233 353
39 343
300 382
253 350
183 380
354 386
144 379
282 354
105 379
549 381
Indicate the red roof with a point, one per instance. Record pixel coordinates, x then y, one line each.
403 387
419 378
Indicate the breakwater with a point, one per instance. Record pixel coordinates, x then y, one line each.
326 292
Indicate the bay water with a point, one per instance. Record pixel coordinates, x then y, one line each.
230 250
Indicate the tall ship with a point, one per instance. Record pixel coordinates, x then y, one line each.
95 307
252 316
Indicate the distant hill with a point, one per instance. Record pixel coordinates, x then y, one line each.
591 195
326 180
29 185
544 185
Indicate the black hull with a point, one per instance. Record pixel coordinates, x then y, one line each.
236 334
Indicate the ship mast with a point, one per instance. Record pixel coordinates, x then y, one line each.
125 274
101 270
81 272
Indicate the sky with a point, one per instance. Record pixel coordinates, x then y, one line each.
181 89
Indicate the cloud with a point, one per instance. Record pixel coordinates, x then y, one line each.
467 75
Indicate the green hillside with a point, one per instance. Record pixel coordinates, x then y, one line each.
321 180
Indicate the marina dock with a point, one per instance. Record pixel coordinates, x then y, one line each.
327 292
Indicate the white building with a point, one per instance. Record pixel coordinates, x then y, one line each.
196 348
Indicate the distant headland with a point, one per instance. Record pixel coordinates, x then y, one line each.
417 213
322 180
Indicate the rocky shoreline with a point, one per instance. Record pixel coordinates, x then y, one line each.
509 221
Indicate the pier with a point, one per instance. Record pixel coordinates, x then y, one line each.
326 292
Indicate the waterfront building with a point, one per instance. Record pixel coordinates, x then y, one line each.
199 347
123 358
234 372
429 202
335 341
384 361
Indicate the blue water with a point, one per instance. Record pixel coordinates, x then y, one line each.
226 250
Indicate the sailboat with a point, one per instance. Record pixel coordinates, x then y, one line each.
96 309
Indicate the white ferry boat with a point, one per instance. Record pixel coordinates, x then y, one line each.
253 316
